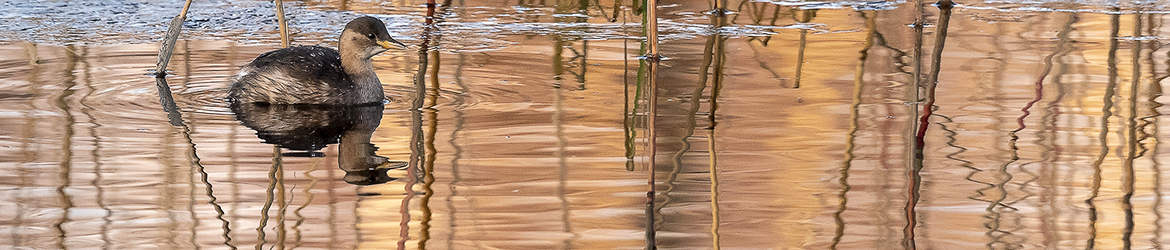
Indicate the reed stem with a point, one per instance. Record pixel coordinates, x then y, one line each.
168 44
650 22
283 24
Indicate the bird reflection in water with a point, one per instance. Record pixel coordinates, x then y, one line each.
305 129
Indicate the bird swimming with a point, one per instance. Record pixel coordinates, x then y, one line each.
319 75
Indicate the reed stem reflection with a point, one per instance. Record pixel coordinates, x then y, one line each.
456 154
421 162
913 94
915 181
631 120
562 164
652 141
1001 145
95 154
428 166
66 164
176 119
417 149
1106 113
1128 173
650 27
1050 170
630 117
805 17
261 238
281 198
854 126
1153 92
308 200
719 19
756 11
580 59
995 191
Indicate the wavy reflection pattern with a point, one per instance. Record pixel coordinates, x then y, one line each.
818 124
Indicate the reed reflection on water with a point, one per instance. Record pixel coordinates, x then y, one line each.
836 125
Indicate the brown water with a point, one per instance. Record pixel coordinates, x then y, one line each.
784 125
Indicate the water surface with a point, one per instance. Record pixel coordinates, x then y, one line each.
783 125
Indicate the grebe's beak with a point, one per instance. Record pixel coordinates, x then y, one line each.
390 44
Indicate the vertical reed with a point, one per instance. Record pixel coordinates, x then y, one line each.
650 26
283 23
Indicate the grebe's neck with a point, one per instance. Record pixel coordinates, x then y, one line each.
353 63
356 58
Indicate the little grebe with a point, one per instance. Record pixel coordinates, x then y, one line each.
319 75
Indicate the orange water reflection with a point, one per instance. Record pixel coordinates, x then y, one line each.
779 127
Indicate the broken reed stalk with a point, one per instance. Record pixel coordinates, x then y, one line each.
168 44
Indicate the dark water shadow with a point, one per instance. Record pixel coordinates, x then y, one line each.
304 129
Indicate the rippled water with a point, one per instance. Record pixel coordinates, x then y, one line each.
784 125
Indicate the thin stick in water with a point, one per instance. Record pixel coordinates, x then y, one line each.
168 44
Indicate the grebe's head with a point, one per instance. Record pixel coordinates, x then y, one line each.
366 37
